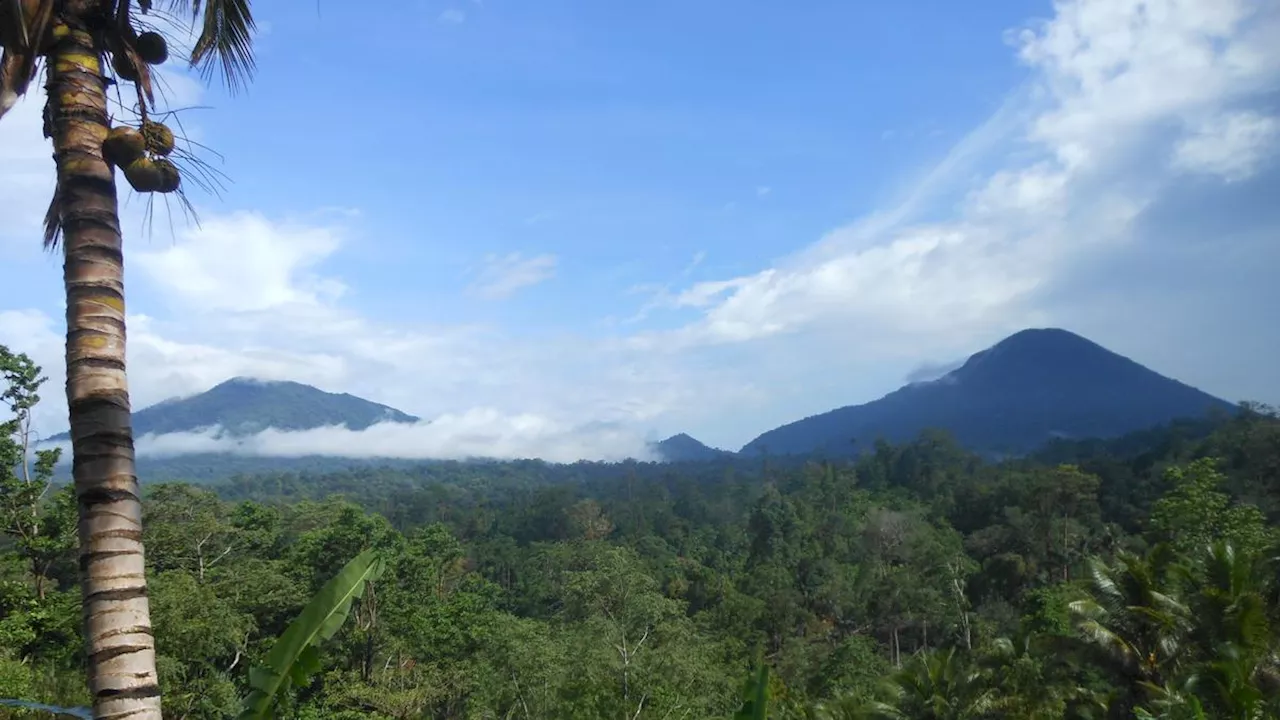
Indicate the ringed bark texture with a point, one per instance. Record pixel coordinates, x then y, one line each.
116 614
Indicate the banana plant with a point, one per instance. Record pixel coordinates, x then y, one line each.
295 656
755 693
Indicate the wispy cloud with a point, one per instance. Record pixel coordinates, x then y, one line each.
762 190
694 262
452 16
660 294
504 275
539 217
928 371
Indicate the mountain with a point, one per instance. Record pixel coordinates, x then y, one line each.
1011 398
682 448
243 406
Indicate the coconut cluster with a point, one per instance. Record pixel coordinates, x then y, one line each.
152 49
143 154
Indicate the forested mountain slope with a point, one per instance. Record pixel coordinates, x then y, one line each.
243 406
1011 398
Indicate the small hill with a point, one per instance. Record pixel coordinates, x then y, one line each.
1030 388
682 448
243 406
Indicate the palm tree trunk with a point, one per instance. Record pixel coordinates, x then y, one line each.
116 614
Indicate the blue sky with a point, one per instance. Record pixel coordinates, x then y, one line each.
566 227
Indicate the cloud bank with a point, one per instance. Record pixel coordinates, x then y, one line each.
476 434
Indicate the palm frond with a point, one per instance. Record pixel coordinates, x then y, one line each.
1107 639
53 221
225 43
21 37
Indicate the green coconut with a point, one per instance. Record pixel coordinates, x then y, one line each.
170 178
124 67
158 136
144 174
152 48
123 145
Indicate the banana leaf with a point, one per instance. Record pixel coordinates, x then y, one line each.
755 694
295 655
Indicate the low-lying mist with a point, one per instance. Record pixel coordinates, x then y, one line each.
474 434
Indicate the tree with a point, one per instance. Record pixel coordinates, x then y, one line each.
74 37
936 686
1230 597
636 655
589 520
187 529
1194 513
25 515
1136 621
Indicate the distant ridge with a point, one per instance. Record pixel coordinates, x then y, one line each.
1011 398
243 406
683 448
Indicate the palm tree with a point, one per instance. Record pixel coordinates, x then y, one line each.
936 685
74 39
1020 667
1211 655
1239 670
1232 602
1134 617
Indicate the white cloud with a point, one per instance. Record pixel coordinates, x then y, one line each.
928 280
1036 190
244 263
476 433
1111 77
26 177
503 275
1231 146
1114 67
452 16
763 190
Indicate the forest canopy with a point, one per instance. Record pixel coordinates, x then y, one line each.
1126 578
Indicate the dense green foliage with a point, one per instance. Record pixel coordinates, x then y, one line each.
1121 579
